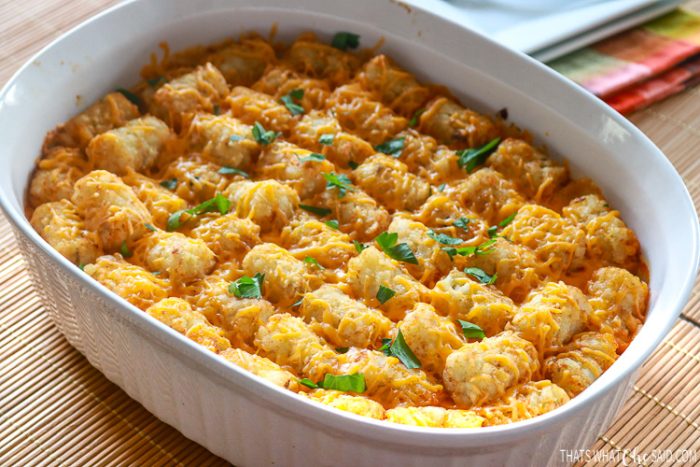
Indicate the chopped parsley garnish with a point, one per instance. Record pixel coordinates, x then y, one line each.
319 211
326 139
444 238
341 182
225 170
313 157
81 266
133 98
333 224
481 276
471 330
399 349
235 138
401 252
308 383
124 250
384 294
345 40
170 184
247 287
216 110
291 100
472 158
263 136
312 260
462 223
353 165
492 231
442 187
413 122
150 227
217 203
342 349
298 302
507 220
393 147
482 249
347 383
154 82
359 246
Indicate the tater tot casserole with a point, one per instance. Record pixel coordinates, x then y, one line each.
316 215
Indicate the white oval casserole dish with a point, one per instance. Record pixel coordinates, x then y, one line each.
243 418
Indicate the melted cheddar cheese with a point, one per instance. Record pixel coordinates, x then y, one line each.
318 217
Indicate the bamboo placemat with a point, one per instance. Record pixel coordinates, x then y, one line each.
57 409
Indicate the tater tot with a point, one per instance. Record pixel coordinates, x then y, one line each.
59 223
280 81
310 57
388 381
607 237
241 63
341 320
56 175
515 267
434 417
456 126
181 258
459 297
372 269
424 157
286 278
112 111
533 174
321 132
262 367
239 317
133 283
251 106
357 213
433 262
268 203
388 181
551 316
110 208
194 180
431 337
482 372
159 201
447 216
179 315
581 362
134 146
227 236
356 404
619 300
359 114
290 342
488 194
200 90
307 237
559 243
223 140
396 88
296 167
527 401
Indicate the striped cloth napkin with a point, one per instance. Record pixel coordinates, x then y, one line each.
641 66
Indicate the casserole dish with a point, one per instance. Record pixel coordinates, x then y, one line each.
238 416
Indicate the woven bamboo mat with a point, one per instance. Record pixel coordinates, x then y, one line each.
57 409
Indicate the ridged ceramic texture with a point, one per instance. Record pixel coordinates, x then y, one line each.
236 425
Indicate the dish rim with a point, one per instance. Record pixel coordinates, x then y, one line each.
345 422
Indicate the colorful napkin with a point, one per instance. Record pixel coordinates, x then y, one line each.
636 68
